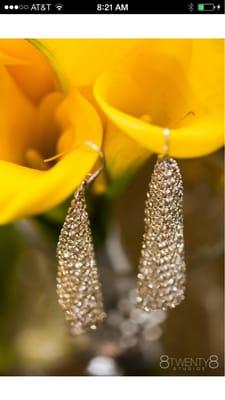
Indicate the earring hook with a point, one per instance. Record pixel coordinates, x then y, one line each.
92 176
166 146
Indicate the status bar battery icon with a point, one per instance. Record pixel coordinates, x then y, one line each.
207 7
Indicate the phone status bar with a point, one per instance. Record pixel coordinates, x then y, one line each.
112 7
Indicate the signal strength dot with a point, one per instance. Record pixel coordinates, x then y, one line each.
11 7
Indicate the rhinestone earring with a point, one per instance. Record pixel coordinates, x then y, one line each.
78 287
161 277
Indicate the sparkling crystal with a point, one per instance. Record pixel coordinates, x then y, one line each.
163 245
78 286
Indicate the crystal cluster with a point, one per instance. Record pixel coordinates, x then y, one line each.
161 278
78 286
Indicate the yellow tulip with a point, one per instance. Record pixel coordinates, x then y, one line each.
37 121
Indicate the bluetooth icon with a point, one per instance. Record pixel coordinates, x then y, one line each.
191 7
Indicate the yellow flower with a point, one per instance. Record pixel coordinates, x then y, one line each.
143 86
38 121
168 83
80 62
53 92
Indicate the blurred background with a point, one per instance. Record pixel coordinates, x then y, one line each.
33 336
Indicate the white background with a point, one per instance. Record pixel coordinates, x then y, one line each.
131 26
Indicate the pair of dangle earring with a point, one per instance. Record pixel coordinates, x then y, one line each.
161 277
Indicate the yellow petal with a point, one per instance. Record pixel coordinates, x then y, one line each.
26 191
122 154
173 91
17 119
28 67
82 60
47 127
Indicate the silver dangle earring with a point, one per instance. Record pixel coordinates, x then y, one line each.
161 277
78 287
